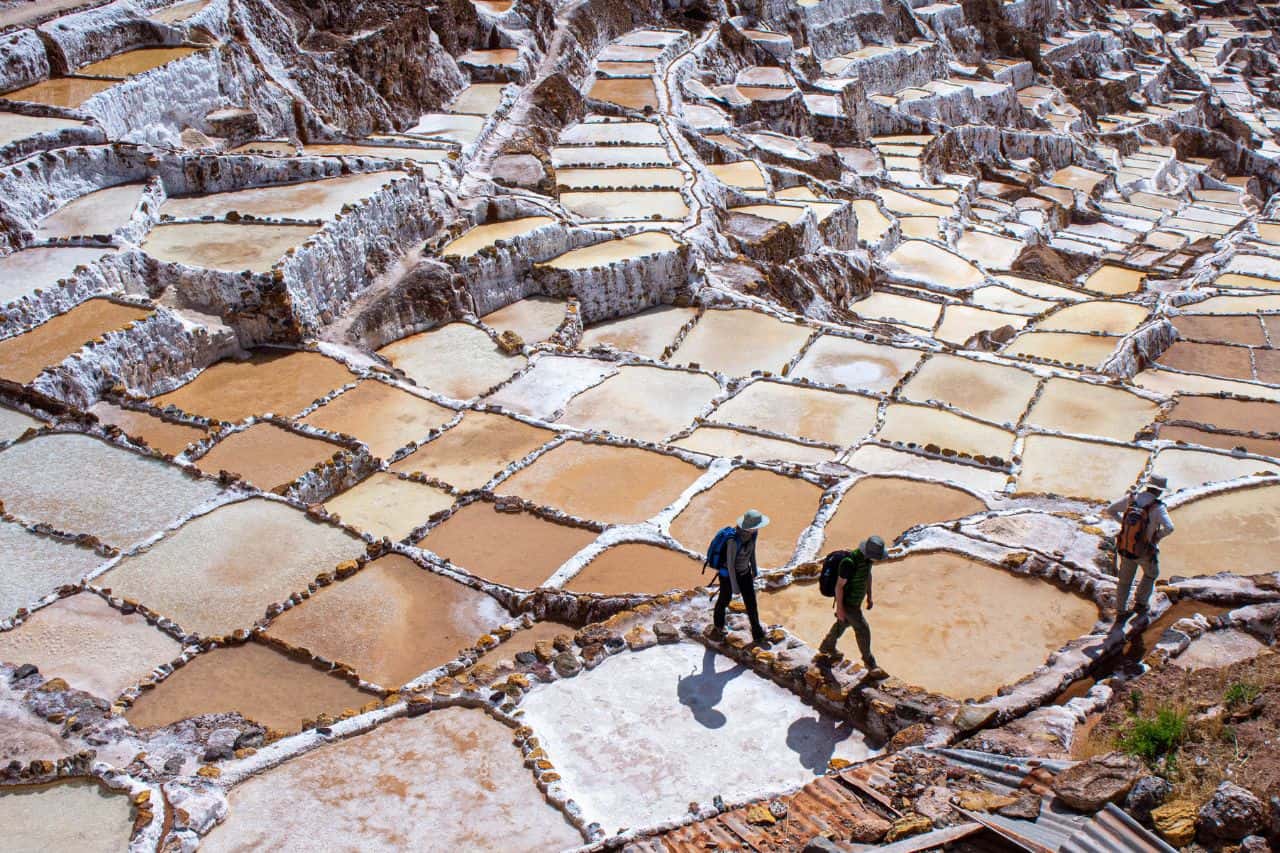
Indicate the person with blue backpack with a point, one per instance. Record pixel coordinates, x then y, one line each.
733 555
846 577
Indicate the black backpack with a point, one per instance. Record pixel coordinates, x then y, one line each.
830 574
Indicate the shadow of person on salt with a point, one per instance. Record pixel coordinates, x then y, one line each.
701 692
814 740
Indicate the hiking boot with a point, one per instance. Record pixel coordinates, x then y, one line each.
760 640
875 673
715 632
828 657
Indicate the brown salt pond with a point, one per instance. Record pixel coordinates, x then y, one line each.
162 435
615 485
630 93
924 426
472 453
23 357
1247 331
1114 281
827 416
990 391
262 684
635 567
67 92
35 566
723 441
267 455
79 815
1088 409
391 622
615 251
856 364
534 319
790 503
1236 531
995 627
94 647
648 403
744 175
310 200
80 484
1243 415
133 62
99 212
1080 469
226 246
450 779
220 571
281 382
715 342
385 505
647 333
1190 435
1067 347
457 360
889 506
1212 359
382 416
517 549
483 236
28 269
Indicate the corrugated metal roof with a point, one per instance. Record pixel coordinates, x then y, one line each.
1113 831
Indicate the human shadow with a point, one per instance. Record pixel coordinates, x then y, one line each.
814 740
701 692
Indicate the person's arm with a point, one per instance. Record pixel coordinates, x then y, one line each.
870 576
1116 510
1163 523
731 555
840 598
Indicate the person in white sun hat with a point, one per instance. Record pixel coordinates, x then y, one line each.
740 562
1144 521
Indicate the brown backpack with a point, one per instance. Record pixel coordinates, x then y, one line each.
1134 541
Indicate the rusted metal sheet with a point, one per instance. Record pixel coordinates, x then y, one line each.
1113 831
927 840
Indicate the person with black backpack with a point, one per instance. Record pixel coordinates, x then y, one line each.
1144 521
846 576
733 555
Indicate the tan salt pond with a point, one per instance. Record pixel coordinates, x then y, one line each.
1225 441
1077 178
342 149
391 621
721 441
715 342
990 250
630 93
1114 281
385 505
635 567
470 454
67 92
998 298
457 360
907 205
23 357
647 333
94 647
1064 466
890 306
321 199
486 235
889 506
612 133
226 246
633 156
99 212
179 11
827 416
790 503
620 177
517 549
262 684
1067 347
857 364
876 459
549 385
626 205
535 318
1186 469
1117 318
872 224
479 99
133 62
1248 282
14 423
614 251
220 571
990 391
1236 531
648 403
962 322
15 126
1170 382
451 780
1087 409
449 127
745 175
267 455
79 816
995 627
932 265
1212 359
281 382
162 435
1243 415
35 566
384 417
924 426
605 483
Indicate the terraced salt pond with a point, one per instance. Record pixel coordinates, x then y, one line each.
23 357
482 236
714 343
826 416
614 251
102 211
1089 409
472 453
647 333
28 269
626 205
991 391
917 260
282 382
35 566
165 436
1066 347
1064 466
383 417
1236 531
648 403
457 360
889 506
724 441
313 200
226 246
926 426
67 92
855 364
534 319
77 815
636 567
267 455
386 506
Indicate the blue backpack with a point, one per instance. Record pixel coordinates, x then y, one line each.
717 554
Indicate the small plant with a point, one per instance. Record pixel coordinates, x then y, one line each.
1241 693
1157 737
1135 702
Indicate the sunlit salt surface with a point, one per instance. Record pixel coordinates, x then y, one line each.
90 644
1067 347
79 484
305 201
1064 466
24 356
98 212
534 319
35 566
457 360
648 403
1185 468
615 251
1236 531
550 384
991 391
226 246
636 567
472 453
724 441
856 364
383 417
827 416
132 62
715 342
16 126
725 731
220 571
1089 409
267 455
647 333
391 621
29 269
79 816
281 382
450 780
925 426
165 436
385 505
14 423
889 506
482 236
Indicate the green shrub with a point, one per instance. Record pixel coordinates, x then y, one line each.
1151 738
1241 693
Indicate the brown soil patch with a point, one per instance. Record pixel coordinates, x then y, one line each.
266 455
1211 359
635 567
279 382
473 452
162 435
383 417
24 356
889 506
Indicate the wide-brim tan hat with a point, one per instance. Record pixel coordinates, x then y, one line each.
753 519
1160 485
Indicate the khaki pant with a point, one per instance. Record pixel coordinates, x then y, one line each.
861 630
1127 567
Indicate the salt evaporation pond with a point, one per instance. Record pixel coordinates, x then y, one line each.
449 780
483 236
66 92
267 455
385 418
457 360
1064 466
613 251
637 567
311 200
714 343
165 436
474 451
133 62
827 416
77 815
990 391
226 246
889 506
28 269
98 212
384 505
1236 531
16 126
23 357
925 426
1088 409
865 366
647 333
14 423
533 319
725 441
281 382
648 403
35 566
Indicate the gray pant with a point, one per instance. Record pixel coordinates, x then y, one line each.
858 622
1127 568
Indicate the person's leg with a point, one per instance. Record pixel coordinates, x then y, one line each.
862 630
747 587
722 602
833 636
1150 571
1124 580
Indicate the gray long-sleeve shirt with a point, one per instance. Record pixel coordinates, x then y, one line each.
1159 524
740 552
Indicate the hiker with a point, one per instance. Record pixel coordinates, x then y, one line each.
1144 521
733 555
854 573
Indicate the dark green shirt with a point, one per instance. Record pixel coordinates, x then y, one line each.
856 571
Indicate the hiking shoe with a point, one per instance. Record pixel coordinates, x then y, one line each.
833 656
875 673
761 641
715 633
